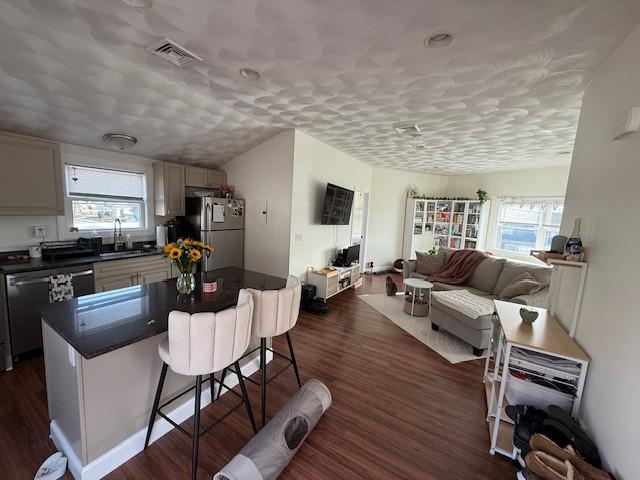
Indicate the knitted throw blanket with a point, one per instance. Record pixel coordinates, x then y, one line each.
459 267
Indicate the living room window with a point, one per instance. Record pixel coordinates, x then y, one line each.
97 196
526 224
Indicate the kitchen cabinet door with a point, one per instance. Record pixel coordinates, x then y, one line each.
169 182
31 180
154 276
113 283
196 177
215 178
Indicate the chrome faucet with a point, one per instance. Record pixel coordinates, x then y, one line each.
117 239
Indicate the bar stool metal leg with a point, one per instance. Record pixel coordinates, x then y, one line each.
224 374
156 402
196 429
263 383
293 359
245 397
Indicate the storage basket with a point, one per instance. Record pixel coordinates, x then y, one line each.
420 309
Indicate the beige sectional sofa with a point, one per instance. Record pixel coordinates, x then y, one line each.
487 280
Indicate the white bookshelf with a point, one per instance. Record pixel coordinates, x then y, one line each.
444 223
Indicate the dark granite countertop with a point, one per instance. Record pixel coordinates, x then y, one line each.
102 322
9 267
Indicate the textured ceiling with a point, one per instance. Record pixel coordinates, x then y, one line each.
505 95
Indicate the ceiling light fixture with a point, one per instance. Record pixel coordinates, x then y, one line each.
250 74
438 40
120 141
139 3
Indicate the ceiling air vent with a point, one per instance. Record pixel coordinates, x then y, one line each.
174 53
410 129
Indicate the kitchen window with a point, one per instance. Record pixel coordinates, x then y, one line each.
97 196
526 224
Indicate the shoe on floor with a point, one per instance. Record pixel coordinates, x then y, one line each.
548 467
526 474
543 444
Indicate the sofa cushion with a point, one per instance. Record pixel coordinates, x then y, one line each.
485 276
523 284
447 252
417 275
429 264
512 269
481 323
439 287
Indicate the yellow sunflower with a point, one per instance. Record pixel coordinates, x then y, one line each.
168 248
188 242
195 254
207 247
175 253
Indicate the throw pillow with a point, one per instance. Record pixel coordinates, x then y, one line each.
429 264
523 284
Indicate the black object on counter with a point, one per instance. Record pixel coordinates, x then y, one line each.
102 322
83 247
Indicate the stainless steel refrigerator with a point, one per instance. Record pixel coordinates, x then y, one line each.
218 222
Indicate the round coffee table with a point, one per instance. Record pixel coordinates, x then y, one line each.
417 285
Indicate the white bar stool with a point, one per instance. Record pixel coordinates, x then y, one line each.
275 313
202 344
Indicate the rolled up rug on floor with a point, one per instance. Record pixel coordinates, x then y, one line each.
271 450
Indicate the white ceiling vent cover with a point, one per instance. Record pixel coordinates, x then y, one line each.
410 129
174 53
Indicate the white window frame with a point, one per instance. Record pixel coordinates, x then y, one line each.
65 223
540 229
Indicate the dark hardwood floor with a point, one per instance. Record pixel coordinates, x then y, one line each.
400 411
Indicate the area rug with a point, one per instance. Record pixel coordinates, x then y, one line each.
444 344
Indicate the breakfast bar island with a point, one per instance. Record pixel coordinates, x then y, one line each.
102 365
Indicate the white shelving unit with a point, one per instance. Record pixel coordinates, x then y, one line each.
533 350
444 223
330 281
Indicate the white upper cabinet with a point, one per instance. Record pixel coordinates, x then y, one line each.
204 177
31 179
215 178
196 177
169 183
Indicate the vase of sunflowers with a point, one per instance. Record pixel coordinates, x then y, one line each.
185 254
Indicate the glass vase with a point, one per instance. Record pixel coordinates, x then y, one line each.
186 283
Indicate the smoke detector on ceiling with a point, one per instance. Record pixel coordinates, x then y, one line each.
410 129
173 53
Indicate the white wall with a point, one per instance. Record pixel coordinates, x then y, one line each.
315 165
264 174
387 206
603 191
16 232
543 182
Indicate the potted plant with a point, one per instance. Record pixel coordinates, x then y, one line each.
482 196
185 254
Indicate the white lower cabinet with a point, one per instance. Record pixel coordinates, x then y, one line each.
114 274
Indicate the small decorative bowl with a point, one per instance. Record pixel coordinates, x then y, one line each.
528 316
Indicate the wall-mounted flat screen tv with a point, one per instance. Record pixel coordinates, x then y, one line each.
337 206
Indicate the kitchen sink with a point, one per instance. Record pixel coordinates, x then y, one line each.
121 253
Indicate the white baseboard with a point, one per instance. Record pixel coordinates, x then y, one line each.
133 445
382 268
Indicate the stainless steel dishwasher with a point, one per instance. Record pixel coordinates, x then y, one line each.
27 293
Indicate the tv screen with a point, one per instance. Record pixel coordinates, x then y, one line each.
337 206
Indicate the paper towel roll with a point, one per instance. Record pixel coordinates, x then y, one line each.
161 236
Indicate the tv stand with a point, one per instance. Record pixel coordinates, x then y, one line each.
330 281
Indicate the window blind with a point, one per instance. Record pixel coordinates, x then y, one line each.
99 182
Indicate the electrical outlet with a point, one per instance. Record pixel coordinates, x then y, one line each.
39 231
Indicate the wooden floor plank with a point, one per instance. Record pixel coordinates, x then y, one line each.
400 411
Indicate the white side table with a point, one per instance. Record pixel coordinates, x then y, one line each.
417 285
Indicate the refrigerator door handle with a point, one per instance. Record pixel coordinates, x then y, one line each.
207 216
